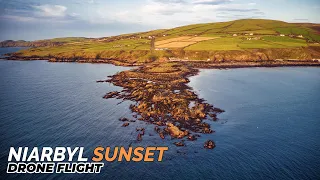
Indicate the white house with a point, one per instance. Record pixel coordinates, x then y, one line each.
282 35
234 35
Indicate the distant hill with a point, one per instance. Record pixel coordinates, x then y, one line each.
211 39
41 43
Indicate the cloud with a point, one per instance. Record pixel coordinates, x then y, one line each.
164 8
170 1
46 13
51 10
259 13
238 9
212 2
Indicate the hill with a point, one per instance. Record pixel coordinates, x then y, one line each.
41 43
247 39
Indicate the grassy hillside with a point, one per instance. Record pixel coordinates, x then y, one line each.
240 35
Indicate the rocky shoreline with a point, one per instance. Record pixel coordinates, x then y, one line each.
195 64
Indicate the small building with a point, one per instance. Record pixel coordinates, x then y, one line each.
300 36
234 35
251 34
282 35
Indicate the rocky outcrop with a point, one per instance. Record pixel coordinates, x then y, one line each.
162 98
175 131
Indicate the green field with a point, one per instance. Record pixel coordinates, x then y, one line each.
217 44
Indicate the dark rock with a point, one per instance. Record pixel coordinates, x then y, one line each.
161 135
125 124
209 144
157 129
123 119
139 137
207 130
179 143
113 94
192 138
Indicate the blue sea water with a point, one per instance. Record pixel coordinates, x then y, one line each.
270 130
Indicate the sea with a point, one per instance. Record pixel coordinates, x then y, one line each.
270 128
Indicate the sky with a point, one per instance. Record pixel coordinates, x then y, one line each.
34 20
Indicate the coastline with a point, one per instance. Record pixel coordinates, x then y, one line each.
193 63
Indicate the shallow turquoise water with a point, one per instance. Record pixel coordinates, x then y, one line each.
270 130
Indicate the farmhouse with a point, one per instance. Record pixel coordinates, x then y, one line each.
282 35
234 35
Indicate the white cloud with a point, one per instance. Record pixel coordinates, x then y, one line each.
151 13
212 2
171 13
51 10
165 9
